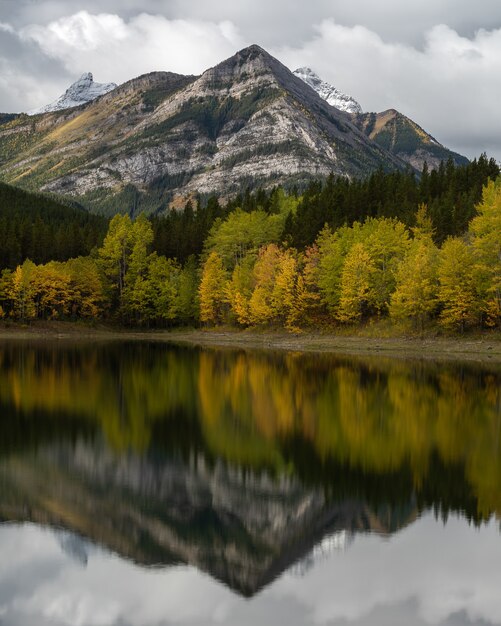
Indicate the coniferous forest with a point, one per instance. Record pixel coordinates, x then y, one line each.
420 250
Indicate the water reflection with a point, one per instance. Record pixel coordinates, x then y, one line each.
245 465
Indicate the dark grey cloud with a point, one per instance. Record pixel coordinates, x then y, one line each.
26 72
275 22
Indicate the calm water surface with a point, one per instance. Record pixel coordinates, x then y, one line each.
146 485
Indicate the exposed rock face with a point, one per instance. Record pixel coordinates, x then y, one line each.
246 122
328 92
392 130
80 92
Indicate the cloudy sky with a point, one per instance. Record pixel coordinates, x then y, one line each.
438 61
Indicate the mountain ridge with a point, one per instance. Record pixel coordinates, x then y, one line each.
247 122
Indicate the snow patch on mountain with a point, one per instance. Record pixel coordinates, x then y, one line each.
328 92
80 92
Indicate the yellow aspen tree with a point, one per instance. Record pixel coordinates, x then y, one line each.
89 299
260 309
387 241
53 290
284 289
213 290
308 296
356 281
486 231
22 291
115 252
240 289
416 295
261 304
458 294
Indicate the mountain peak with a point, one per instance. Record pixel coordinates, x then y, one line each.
328 92
253 50
86 77
80 92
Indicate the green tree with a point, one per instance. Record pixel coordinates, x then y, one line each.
242 233
188 306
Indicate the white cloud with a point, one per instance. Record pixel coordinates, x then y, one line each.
118 50
449 86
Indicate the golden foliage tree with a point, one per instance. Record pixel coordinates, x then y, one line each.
213 290
356 284
458 294
486 231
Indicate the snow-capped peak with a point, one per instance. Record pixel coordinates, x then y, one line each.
80 92
328 92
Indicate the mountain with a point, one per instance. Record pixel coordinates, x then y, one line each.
328 92
80 92
398 134
247 121
392 130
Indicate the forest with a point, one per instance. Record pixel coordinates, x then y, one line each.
422 251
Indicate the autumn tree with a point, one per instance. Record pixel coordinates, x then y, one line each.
241 233
356 284
240 288
416 295
386 240
213 289
22 291
486 242
458 293
262 304
114 254
89 299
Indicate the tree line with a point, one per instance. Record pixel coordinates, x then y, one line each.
239 264
42 228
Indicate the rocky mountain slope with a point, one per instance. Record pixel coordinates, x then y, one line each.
392 130
405 139
247 121
328 92
80 92
163 137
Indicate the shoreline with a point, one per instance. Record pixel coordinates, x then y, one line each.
479 348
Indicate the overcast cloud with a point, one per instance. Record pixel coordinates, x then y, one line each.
438 61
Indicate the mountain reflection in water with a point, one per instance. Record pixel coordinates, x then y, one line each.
242 464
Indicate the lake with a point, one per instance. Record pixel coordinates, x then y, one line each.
144 484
